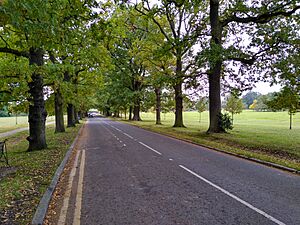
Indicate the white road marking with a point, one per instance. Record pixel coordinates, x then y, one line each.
64 209
123 133
150 148
234 197
77 213
118 139
128 135
116 128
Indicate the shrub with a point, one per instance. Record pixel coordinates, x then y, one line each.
225 121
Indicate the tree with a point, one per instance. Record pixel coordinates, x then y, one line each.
253 105
234 105
249 97
158 66
201 106
25 29
262 101
29 29
231 20
180 23
80 52
128 35
289 99
167 103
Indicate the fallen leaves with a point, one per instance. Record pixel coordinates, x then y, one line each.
31 173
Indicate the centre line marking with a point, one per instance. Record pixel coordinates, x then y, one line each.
157 152
128 135
77 213
234 197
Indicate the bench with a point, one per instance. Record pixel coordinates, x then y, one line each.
3 152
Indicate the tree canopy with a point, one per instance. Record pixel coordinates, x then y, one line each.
121 56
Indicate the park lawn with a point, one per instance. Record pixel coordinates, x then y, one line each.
30 174
262 135
9 123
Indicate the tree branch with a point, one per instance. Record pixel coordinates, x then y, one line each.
156 22
261 19
6 92
7 77
52 57
79 71
48 84
14 52
249 61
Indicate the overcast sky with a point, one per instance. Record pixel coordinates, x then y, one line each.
265 88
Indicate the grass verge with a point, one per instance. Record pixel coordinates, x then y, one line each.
23 184
255 143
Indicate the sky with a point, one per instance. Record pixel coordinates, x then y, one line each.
265 88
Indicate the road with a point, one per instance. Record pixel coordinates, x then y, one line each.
127 175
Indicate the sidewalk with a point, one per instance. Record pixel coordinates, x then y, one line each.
9 133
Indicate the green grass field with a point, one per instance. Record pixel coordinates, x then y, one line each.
264 135
9 123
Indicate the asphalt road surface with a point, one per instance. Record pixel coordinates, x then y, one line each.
127 175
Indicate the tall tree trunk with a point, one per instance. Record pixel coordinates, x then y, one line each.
158 105
107 111
75 82
178 106
70 115
80 114
137 100
76 116
214 75
291 119
178 92
59 112
136 110
70 107
130 112
37 112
